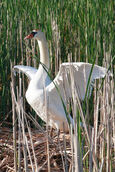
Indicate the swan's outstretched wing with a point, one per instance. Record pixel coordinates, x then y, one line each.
80 72
27 70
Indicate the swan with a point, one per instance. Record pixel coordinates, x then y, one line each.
42 89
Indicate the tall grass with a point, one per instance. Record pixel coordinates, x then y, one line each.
84 29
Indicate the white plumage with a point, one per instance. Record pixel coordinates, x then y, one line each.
41 85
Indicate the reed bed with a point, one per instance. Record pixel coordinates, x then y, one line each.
86 148
76 31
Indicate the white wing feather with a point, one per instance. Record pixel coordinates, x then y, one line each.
81 72
27 70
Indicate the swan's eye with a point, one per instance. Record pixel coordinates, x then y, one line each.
34 33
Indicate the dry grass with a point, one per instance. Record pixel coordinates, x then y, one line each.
39 140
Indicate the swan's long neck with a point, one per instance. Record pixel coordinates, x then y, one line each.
44 54
41 75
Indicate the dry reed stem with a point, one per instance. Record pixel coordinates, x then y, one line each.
61 152
46 98
72 148
91 151
113 112
14 121
19 136
19 125
107 127
56 39
96 109
32 145
24 141
77 161
65 153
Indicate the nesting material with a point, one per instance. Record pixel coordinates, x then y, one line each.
56 151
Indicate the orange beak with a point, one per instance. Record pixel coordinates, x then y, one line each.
29 36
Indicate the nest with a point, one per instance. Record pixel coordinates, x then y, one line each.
53 152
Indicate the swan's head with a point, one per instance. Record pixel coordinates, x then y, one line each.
36 34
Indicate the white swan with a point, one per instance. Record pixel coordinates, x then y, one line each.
39 79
